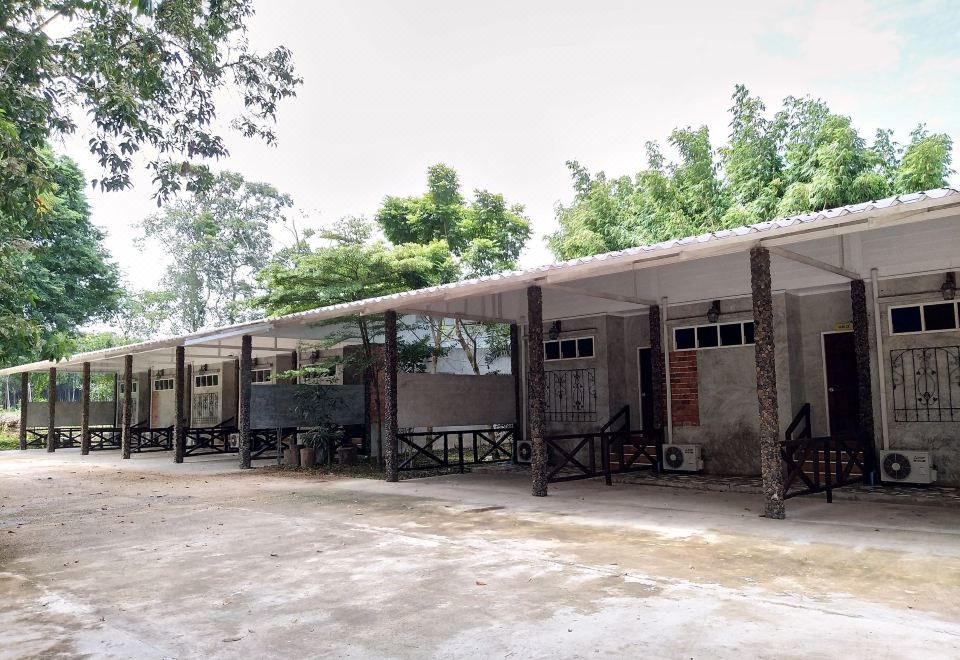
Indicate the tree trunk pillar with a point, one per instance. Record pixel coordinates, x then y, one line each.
392 448
126 419
85 410
861 349
243 407
536 391
657 361
771 467
24 402
52 410
516 369
179 416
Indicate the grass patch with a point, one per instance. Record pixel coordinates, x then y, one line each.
8 440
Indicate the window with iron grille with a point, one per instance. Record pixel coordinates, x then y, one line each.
926 384
571 395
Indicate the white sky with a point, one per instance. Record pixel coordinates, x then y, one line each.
506 92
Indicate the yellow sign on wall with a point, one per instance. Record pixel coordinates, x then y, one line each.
844 325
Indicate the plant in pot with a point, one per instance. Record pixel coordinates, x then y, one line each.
319 445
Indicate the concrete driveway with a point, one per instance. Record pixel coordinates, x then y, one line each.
143 559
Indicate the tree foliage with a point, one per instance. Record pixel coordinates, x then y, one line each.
60 278
802 158
484 235
218 239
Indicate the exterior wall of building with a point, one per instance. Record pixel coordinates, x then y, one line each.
942 438
442 400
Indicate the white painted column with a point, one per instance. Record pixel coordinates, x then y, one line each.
881 364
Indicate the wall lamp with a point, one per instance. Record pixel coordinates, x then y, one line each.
949 287
554 331
713 314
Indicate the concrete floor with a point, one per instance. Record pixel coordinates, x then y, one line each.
143 559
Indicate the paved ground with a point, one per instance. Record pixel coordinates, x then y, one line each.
144 559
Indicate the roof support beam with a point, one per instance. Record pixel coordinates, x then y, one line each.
814 263
480 318
576 291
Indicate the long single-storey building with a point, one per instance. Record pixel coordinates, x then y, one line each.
812 351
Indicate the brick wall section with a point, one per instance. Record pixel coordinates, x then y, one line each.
684 391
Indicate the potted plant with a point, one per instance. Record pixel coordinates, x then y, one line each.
319 444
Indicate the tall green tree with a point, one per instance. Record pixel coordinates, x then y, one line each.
218 239
148 76
61 279
484 235
801 158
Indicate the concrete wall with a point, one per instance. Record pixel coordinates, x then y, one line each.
68 413
441 400
287 405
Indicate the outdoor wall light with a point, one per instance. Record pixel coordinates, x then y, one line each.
713 314
949 286
554 331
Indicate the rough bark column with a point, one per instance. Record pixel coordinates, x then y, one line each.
771 467
179 418
85 410
861 347
52 410
392 448
515 369
24 402
656 369
536 392
127 422
243 407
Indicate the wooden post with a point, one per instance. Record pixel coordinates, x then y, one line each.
179 418
656 368
536 391
243 406
771 467
24 402
516 368
392 449
85 410
126 421
52 410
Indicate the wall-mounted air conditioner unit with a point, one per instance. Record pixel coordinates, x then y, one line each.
524 452
907 466
683 458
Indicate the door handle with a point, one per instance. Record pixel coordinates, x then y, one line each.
830 389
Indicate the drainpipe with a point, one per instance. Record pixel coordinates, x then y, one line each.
881 365
665 343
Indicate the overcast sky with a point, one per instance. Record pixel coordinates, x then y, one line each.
506 92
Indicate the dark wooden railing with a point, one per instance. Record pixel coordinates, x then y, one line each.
620 450
821 465
211 439
455 449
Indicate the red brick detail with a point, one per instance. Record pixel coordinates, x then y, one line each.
684 390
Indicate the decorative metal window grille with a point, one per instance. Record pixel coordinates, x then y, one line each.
926 384
572 395
206 409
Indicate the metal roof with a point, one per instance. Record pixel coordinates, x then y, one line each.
692 247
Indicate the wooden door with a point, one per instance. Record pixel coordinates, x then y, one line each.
646 389
840 369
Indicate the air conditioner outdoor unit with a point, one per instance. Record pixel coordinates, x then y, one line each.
524 452
685 458
906 466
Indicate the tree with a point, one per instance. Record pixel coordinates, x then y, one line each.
484 236
350 266
61 279
802 158
218 239
148 75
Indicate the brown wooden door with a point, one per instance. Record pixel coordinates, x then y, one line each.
646 389
840 366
